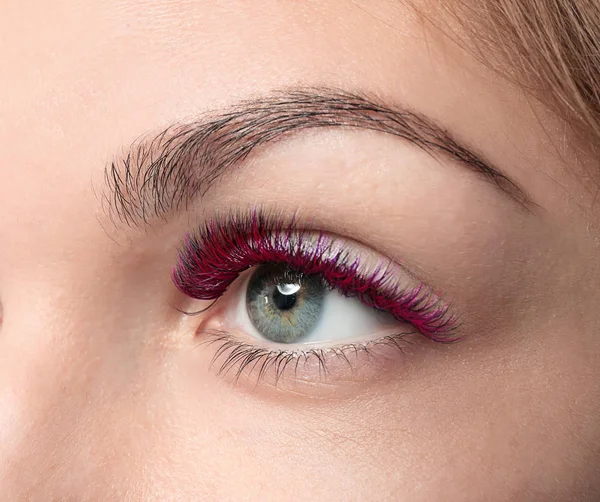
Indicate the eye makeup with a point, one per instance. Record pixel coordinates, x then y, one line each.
213 257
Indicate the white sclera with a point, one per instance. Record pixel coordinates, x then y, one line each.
342 319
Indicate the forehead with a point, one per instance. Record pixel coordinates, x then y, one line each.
164 60
89 77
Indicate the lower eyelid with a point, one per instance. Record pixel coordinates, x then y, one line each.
311 372
310 369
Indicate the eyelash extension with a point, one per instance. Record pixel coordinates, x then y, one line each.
213 257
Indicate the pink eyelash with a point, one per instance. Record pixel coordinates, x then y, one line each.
212 259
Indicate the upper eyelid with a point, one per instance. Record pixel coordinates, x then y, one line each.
280 223
299 222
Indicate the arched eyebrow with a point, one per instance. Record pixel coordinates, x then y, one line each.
162 174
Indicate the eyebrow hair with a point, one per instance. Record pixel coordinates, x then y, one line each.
163 174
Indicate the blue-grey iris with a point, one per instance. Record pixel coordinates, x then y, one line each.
284 305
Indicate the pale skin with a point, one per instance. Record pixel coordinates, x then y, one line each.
105 390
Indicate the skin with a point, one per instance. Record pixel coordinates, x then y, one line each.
106 392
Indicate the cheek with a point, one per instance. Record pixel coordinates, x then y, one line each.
81 353
438 435
115 390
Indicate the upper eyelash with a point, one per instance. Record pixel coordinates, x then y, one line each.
213 257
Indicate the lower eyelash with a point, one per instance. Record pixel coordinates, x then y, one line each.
236 357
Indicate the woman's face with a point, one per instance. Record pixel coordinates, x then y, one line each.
386 143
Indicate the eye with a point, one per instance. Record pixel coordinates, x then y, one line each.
282 305
285 295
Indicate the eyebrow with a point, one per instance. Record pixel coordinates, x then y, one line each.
162 174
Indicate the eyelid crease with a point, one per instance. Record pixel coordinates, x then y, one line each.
213 258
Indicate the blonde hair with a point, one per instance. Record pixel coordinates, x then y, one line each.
551 47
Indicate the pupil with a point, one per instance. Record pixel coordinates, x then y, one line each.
285 296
